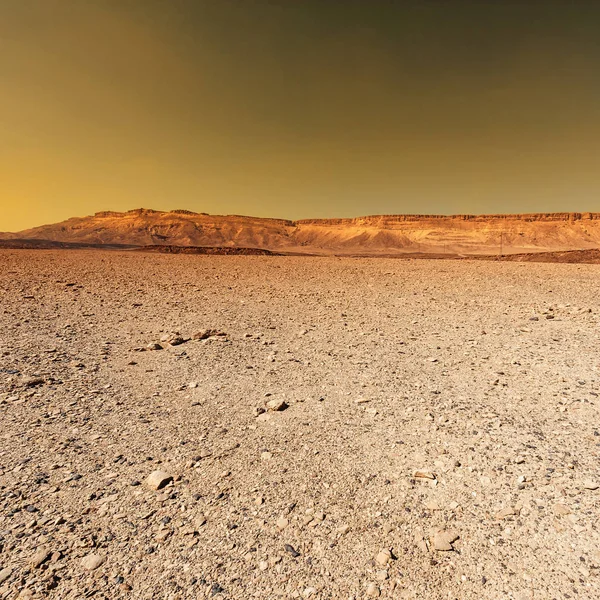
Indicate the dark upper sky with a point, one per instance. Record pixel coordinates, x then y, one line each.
298 108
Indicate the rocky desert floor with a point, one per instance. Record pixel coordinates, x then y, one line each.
226 427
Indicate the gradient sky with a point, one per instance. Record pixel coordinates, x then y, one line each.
297 108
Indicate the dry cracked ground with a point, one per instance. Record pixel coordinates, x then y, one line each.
438 439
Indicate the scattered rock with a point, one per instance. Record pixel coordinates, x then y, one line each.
423 475
561 510
158 480
276 405
5 574
41 555
383 558
292 550
505 512
33 381
204 334
92 561
442 540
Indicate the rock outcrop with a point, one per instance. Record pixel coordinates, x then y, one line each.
369 235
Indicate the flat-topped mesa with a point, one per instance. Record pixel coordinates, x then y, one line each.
527 217
372 235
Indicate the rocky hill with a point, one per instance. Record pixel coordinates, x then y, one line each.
370 235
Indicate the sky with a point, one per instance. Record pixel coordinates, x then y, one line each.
297 108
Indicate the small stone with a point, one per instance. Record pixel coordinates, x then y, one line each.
421 543
216 589
381 575
373 591
163 535
158 479
282 523
41 555
199 521
561 510
443 540
276 405
193 385
263 565
154 346
383 558
92 561
292 550
32 381
5 574
309 592
505 512
590 485
343 529
266 456
204 334
259 410
423 475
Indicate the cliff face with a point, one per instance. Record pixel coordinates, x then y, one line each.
377 234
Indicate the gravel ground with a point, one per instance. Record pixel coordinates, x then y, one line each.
439 437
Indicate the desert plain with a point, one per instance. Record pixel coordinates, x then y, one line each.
177 426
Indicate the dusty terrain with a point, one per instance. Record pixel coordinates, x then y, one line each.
440 439
367 236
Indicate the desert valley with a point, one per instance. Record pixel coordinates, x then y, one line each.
182 426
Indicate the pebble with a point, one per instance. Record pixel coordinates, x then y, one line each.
200 521
373 591
276 405
92 561
158 479
383 558
41 555
561 509
505 512
5 574
292 550
590 485
423 475
442 540
204 334
163 535
282 523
